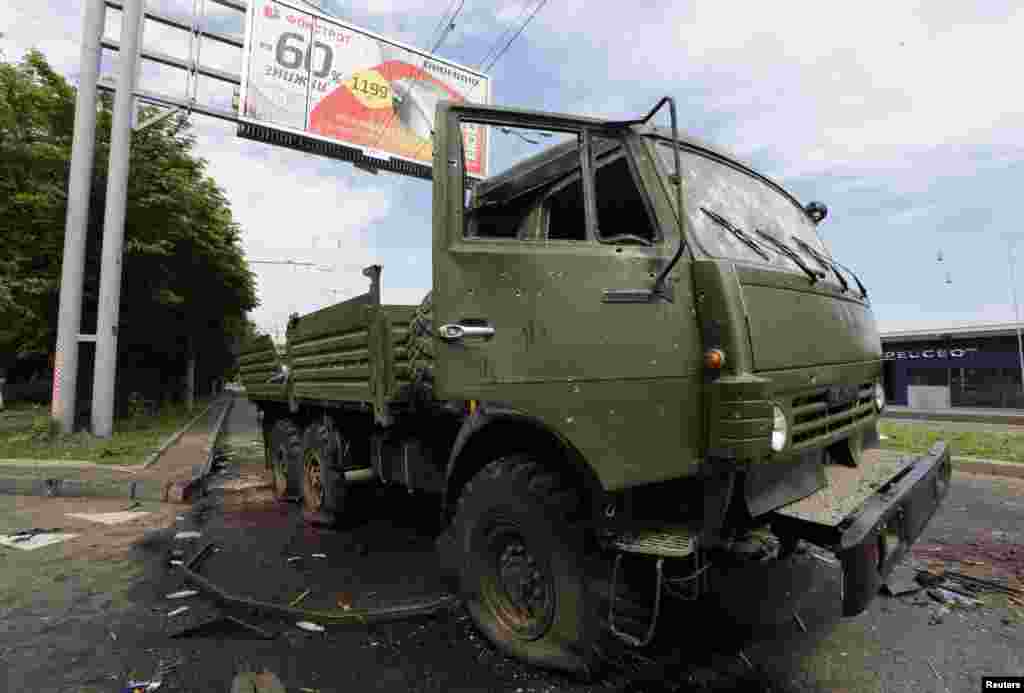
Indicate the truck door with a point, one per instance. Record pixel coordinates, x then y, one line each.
520 302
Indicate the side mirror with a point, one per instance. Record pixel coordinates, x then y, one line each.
816 211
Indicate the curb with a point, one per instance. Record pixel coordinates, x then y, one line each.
1007 419
183 490
1010 470
175 437
134 489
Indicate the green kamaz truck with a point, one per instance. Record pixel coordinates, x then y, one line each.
635 346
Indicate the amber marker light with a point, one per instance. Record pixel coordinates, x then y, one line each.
714 358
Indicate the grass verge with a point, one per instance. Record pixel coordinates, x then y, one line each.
918 437
30 434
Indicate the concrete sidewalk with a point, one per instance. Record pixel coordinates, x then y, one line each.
171 477
1009 417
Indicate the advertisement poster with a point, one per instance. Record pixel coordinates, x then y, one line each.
318 76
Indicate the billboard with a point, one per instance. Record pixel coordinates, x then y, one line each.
315 76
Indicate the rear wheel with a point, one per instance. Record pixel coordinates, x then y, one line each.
286 460
324 456
522 572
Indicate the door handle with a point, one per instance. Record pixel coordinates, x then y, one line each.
456 332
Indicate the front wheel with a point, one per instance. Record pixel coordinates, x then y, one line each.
522 571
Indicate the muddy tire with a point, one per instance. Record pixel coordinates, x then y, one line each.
421 350
286 460
324 454
522 570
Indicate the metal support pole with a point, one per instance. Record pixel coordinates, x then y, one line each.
76 226
1016 310
113 222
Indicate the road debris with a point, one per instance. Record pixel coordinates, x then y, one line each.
292 559
179 610
187 535
936 672
29 540
939 615
113 636
945 596
319 555
901 581
299 598
799 622
311 627
182 594
177 563
252 682
742 655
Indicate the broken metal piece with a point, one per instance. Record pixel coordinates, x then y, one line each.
799 621
299 598
743 658
311 627
182 594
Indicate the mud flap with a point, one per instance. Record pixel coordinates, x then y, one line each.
875 537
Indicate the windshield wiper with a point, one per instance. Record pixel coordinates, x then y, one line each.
825 262
739 233
791 254
834 264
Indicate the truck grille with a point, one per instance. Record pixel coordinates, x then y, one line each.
816 417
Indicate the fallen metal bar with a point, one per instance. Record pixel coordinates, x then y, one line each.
200 556
184 26
363 616
171 61
168 101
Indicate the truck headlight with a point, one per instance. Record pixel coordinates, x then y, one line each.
879 396
780 429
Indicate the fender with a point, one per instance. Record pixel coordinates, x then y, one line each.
488 414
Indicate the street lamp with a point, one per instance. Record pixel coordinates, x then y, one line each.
1016 308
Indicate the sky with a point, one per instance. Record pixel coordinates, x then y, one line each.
902 117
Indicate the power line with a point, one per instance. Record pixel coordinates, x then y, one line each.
501 37
448 29
441 21
525 24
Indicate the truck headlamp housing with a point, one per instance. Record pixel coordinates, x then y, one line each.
879 396
780 429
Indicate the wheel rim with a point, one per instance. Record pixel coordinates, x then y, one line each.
518 589
314 486
280 471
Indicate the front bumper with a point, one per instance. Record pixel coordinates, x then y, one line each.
878 534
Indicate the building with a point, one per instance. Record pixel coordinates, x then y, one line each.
969 366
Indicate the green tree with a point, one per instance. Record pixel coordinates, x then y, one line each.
186 287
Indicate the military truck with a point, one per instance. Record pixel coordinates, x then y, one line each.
636 348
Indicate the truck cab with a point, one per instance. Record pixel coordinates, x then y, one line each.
672 318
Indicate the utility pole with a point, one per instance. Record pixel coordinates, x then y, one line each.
76 225
1016 309
113 221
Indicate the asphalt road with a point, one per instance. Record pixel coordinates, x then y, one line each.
387 554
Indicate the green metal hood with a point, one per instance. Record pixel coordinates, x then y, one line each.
794 324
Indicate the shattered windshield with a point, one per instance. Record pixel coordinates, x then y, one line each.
728 208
